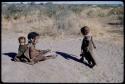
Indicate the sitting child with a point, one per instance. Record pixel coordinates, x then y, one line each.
35 54
21 50
87 46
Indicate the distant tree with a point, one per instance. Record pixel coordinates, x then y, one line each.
32 3
41 3
21 3
49 3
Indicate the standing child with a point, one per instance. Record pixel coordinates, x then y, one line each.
87 46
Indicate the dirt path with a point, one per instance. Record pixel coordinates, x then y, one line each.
64 68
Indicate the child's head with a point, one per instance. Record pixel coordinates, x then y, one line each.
22 40
85 30
33 37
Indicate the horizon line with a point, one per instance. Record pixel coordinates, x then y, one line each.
70 2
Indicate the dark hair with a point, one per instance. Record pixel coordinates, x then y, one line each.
21 37
85 30
32 35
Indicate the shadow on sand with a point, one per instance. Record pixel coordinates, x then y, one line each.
116 23
65 55
11 55
68 56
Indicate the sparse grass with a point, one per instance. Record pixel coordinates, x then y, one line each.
56 20
117 11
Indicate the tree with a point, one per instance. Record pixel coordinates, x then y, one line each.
32 3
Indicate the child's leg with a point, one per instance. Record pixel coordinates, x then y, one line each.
82 57
89 61
37 59
51 56
16 59
44 51
89 58
93 61
41 58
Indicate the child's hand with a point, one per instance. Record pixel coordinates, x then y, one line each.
95 47
80 54
39 50
48 50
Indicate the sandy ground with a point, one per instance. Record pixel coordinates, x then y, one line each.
65 67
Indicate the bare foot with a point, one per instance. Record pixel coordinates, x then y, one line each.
16 59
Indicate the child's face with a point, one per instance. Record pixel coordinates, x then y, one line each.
86 32
35 40
22 41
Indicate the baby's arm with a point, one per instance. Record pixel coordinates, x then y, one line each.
20 52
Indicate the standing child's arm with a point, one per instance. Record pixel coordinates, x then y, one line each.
81 49
81 52
93 43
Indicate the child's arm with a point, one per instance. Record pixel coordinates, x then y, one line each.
19 52
93 43
81 50
30 49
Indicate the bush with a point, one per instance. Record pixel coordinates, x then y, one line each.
53 20
7 17
76 9
121 18
117 11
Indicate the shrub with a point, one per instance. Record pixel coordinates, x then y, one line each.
117 11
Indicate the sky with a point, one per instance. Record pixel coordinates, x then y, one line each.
79 2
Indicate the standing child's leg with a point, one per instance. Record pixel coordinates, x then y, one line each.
82 57
91 60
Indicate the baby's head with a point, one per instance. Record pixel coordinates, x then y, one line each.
22 40
85 30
